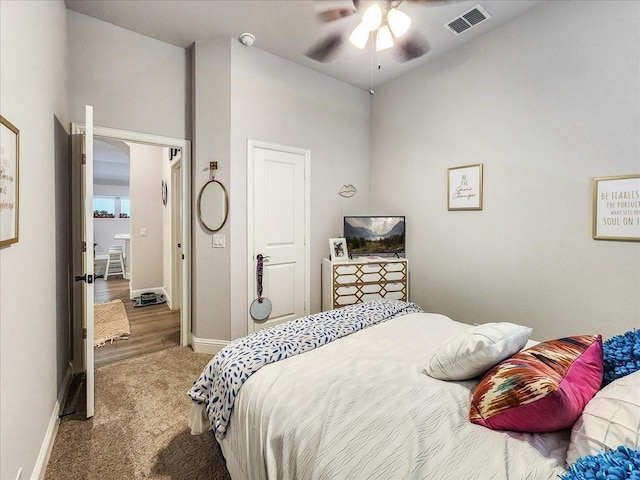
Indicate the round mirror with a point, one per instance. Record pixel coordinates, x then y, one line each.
213 205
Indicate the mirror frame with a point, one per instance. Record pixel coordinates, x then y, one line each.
226 207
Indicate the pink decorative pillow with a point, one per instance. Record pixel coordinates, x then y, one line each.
541 389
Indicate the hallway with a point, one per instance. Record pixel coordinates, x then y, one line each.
153 327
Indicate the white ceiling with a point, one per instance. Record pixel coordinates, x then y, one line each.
110 162
288 28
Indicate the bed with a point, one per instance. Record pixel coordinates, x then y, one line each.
346 394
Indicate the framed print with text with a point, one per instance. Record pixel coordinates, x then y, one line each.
464 189
616 208
9 167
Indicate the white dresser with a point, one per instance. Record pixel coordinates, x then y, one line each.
346 283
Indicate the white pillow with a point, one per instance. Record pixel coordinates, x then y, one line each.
610 419
475 351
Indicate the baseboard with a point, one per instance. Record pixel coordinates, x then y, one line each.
136 293
167 297
207 345
50 435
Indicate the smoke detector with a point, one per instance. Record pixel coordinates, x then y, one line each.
247 39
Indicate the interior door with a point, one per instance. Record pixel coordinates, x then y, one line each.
87 260
176 206
279 227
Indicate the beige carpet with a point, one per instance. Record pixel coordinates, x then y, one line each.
110 322
139 430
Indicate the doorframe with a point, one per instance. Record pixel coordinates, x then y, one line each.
251 273
185 145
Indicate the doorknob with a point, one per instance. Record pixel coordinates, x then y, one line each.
84 278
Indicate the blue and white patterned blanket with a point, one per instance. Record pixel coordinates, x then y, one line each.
222 378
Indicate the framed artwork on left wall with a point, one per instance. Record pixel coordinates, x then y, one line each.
9 170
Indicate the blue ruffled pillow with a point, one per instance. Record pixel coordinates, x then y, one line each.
622 463
621 356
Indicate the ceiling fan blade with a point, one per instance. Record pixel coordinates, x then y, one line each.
338 13
325 49
413 46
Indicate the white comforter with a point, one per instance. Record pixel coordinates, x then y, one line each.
362 408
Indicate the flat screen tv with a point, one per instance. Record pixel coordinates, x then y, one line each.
375 235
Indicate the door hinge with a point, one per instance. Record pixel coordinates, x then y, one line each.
84 333
84 159
84 246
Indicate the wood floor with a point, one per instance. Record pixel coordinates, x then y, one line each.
153 327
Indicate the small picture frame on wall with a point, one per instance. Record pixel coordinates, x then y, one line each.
338 250
616 208
9 182
464 188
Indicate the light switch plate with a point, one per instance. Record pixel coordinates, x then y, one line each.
218 240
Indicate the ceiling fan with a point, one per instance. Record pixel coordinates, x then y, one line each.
390 25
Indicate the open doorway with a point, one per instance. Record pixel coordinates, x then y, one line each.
137 296
178 152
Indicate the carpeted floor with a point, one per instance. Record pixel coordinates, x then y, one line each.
140 427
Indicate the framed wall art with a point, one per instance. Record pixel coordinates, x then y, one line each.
338 250
9 175
464 190
616 208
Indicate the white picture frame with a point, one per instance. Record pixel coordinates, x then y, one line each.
464 188
616 208
338 250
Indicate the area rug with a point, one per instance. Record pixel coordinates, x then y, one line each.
139 430
110 322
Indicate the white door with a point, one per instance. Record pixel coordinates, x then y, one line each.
87 260
278 214
176 235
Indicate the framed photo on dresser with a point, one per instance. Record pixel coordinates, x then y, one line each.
338 250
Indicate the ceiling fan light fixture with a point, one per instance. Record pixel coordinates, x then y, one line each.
372 17
360 36
384 39
398 21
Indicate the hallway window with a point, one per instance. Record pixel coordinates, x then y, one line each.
105 206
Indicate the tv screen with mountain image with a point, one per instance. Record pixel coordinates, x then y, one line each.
374 235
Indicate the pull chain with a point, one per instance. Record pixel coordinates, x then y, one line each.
371 90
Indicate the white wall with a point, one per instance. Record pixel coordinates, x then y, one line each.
211 270
134 82
146 212
546 103
104 230
277 101
32 92
263 97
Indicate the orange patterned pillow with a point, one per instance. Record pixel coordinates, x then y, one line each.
541 389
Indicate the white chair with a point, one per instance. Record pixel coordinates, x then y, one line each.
115 262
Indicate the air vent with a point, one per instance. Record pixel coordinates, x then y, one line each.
467 20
